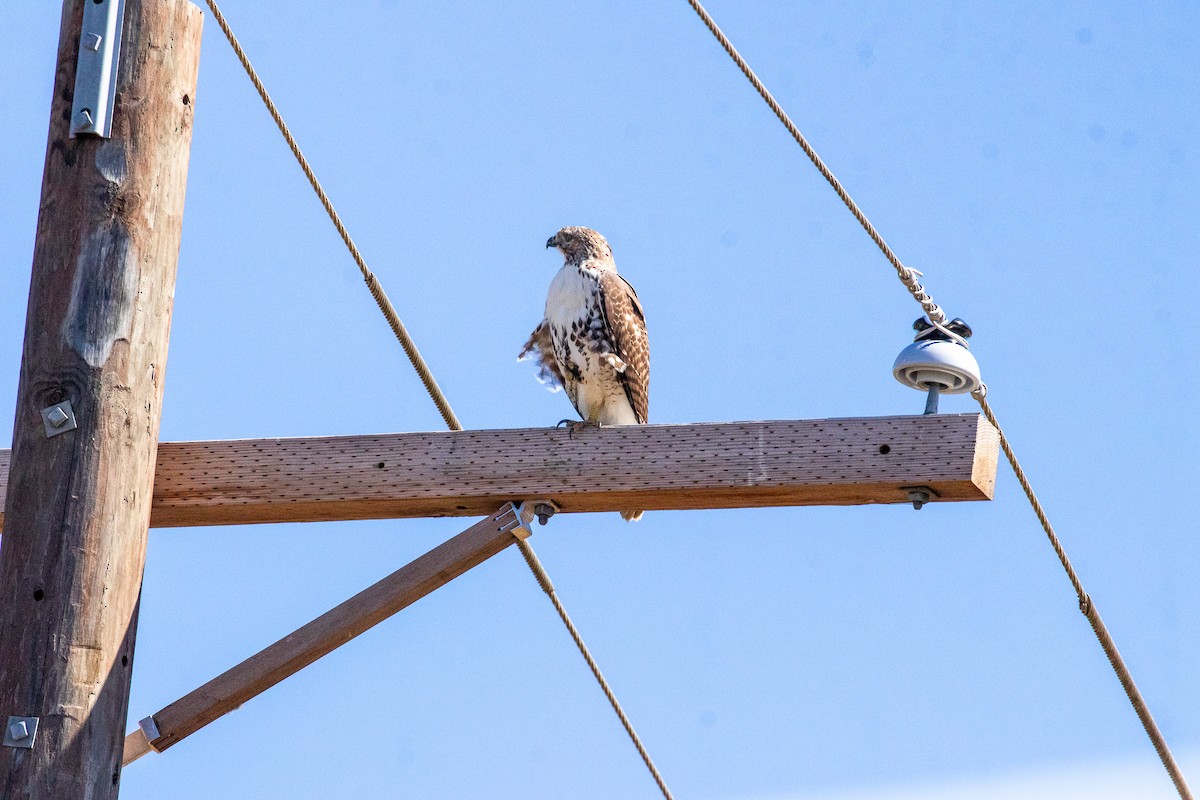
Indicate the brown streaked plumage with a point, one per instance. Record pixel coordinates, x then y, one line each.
592 340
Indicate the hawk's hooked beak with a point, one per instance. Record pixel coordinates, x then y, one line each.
552 241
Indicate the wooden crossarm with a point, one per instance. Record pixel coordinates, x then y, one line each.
469 473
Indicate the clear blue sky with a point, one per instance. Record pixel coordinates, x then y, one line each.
1039 162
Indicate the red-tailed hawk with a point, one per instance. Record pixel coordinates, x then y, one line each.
592 340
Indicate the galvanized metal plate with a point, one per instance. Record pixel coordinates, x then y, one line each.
96 71
59 418
20 731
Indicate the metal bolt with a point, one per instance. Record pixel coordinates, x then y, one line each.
544 512
58 418
93 41
18 730
931 399
918 497
86 113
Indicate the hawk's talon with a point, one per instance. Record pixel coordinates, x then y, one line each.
574 425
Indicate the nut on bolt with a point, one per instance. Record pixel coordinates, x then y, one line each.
919 495
544 512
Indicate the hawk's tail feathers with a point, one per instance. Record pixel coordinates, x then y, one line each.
632 516
541 347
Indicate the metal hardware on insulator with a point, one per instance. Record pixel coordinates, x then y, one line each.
931 399
938 362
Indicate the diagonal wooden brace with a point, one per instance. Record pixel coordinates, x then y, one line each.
329 631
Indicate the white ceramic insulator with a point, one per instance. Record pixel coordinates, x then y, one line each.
948 365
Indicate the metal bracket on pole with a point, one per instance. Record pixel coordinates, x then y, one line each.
149 729
20 732
59 418
96 71
141 741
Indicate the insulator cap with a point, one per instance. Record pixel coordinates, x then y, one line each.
947 365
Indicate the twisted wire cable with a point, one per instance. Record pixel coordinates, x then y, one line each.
935 314
1088 608
373 285
426 376
906 275
539 572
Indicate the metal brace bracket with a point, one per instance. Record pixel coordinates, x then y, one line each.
96 70
20 732
149 729
517 517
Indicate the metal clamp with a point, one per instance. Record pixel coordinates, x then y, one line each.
149 729
20 732
96 70
517 517
513 519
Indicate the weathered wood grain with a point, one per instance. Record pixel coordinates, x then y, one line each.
330 630
466 473
77 505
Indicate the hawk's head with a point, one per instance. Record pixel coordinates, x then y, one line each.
580 244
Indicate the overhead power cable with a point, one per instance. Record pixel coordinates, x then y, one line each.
1088 608
938 318
543 580
435 392
906 275
373 285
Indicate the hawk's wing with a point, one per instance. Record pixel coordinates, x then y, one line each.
626 327
542 346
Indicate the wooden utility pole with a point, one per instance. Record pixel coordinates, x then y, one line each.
78 503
